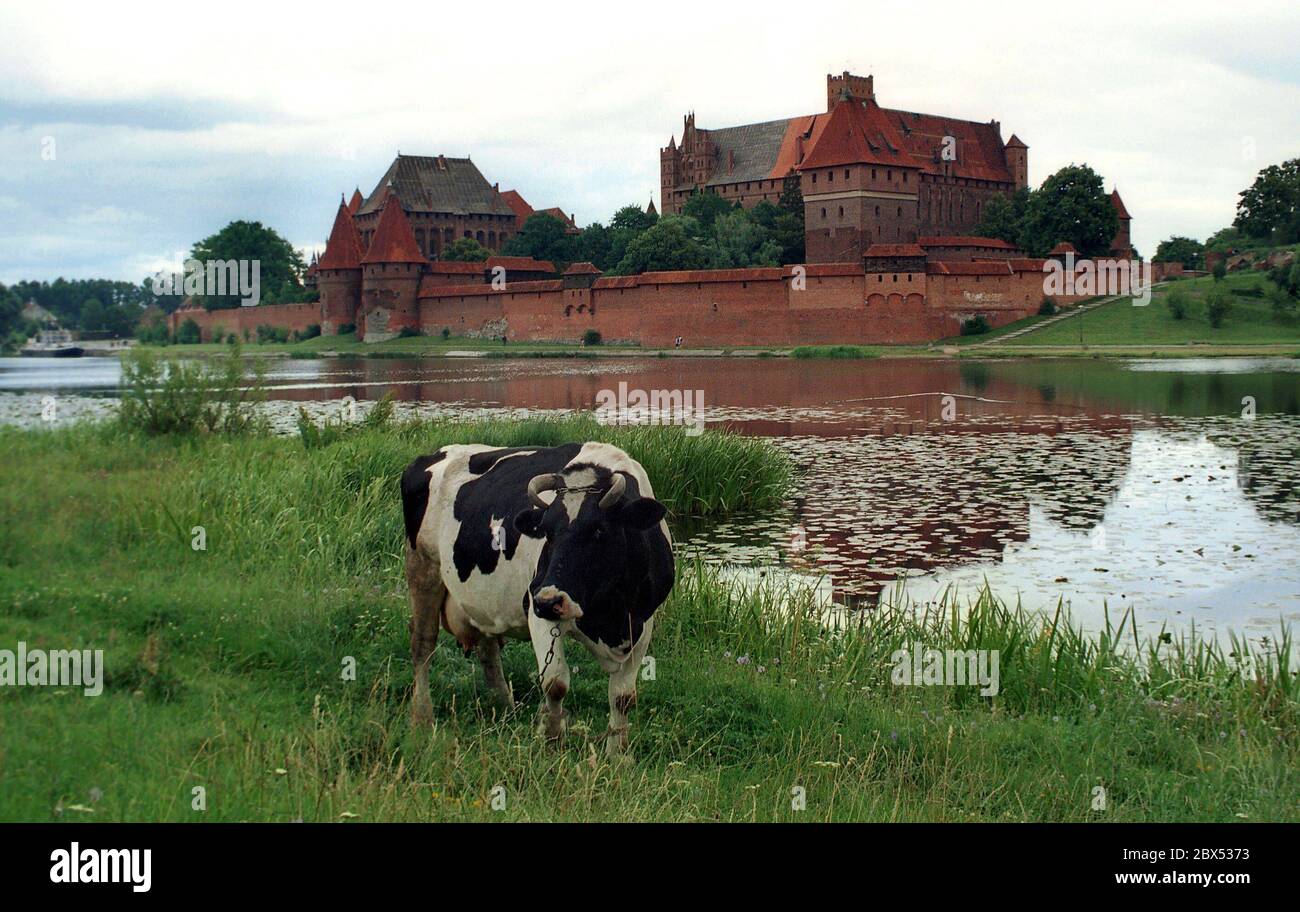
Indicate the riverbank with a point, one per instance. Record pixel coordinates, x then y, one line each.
225 667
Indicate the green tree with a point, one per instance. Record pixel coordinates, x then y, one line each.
465 250
1072 205
92 314
280 265
1179 249
1218 302
633 217
1270 207
788 228
672 243
1176 301
1004 216
1220 270
543 237
705 207
739 242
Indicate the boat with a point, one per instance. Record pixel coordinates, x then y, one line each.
53 343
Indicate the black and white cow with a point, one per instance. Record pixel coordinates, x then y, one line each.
543 543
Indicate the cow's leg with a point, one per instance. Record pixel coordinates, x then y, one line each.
555 675
426 593
489 654
622 693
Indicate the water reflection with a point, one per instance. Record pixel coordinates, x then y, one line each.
1099 483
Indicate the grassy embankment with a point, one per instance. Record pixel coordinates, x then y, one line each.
224 667
1120 328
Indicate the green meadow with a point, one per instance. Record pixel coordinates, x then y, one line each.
227 666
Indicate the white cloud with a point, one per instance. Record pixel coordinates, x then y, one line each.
186 120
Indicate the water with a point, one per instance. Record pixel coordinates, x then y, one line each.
1168 486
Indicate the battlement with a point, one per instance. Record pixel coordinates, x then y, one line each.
846 85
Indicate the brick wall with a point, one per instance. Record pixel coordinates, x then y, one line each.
240 319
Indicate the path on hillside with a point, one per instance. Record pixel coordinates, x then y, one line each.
1061 315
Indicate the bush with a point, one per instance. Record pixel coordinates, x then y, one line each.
347 329
1217 304
266 333
188 334
975 326
311 332
1047 308
1220 270
408 333
166 396
591 337
1176 301
446 333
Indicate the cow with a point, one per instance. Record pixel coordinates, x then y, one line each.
543 543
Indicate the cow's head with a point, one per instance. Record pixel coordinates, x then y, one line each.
586 528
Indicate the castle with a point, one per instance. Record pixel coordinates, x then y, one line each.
890 201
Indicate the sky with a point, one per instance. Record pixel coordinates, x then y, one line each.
128 132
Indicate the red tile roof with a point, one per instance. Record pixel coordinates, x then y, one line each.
894 250
583 268
1063 247
455 267
518 205
964 240
343 250
1119 205
969 269
1015 143
355 203
394 241
857 132
520 264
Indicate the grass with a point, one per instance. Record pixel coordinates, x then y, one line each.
1250 322
835 351
225 667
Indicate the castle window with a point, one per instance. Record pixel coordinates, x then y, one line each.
904 177
877 211
841 212
873 173
830 177
900 211
814 180
823 213
889 174
846 173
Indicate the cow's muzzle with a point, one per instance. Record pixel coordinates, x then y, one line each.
552 604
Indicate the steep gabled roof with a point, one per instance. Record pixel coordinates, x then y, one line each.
436 183
518 205
857 133
354 204
394 241
343 250
1118 203
1015 143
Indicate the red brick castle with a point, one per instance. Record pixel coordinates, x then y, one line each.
890 201
868 174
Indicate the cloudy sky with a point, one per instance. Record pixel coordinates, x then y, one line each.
127 133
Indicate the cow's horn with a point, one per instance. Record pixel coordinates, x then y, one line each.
615 492
540 483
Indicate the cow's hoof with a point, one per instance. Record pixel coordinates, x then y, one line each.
616 748
552 728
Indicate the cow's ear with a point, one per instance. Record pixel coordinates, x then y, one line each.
529 522
642 514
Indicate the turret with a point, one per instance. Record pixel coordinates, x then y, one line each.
338 274
392 269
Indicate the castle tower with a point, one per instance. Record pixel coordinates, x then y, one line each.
338 274
391 272
1122 244
848 86
355 203
1017 157
859 185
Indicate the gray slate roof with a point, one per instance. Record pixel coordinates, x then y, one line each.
422 185
756 147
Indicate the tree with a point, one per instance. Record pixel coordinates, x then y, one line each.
1004 216
672 243
543 237
280 265
1072 205
92 314
705 206
1270 207
1220 270
188 333
739 241
788 228
1217 304
1176 301
465 250
1179 249
633 217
